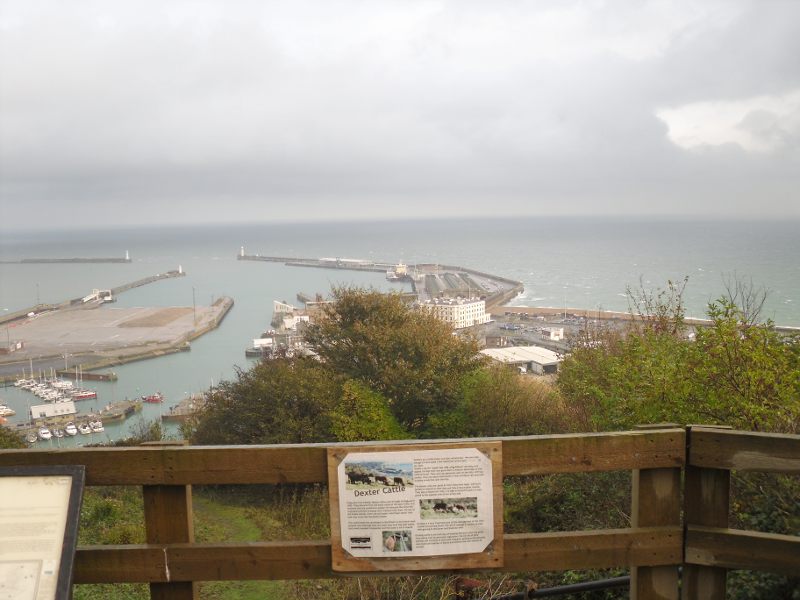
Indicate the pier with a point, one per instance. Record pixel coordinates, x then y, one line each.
37 309
77 259
184 409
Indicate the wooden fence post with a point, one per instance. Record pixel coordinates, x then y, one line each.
706 501
656 502
168 519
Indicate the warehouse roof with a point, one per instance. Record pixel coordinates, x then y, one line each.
523 354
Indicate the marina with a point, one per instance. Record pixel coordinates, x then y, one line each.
43 429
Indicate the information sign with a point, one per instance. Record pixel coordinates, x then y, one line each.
425 507
39 514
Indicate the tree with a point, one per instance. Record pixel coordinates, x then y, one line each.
277 401
363 415
735 373
661 310
409 356
747 375
497 402
10 439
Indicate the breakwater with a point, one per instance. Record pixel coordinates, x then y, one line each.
73 302
144 281
347 264
74 259
79 260
495 290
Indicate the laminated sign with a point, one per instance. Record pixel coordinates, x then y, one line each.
430 506
39 514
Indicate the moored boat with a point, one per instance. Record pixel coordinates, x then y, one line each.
84 394
6 411
45 433
84 429
153 398
70 429
31 438
96 426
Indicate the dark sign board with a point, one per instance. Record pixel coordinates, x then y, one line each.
39 515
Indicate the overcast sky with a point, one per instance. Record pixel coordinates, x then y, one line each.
168 111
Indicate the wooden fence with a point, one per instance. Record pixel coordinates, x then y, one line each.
653 548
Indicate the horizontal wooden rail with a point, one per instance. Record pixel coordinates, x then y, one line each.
606 548
307 463
737 549
744 450
652 548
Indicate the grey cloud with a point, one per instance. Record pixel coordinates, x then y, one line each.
383 109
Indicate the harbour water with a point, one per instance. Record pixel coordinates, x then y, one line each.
582 263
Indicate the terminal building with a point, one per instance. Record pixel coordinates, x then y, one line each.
459 312
528 359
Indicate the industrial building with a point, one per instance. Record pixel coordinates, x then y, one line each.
528 359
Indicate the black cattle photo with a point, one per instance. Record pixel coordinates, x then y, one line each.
448 508
371 474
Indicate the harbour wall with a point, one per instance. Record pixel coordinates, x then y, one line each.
25 261
144 281
40 308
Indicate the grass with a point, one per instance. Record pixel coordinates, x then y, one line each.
220 521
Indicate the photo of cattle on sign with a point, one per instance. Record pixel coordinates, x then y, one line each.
449 508
371 474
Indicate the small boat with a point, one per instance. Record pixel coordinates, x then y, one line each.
84 394
153 398
84 429
5 411
59 433
45 433
70 429
31 437
96 426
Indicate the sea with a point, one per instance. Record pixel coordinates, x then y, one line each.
574 262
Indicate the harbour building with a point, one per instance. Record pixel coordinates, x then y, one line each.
459 312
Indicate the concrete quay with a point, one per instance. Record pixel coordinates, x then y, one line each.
108 336
94 335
